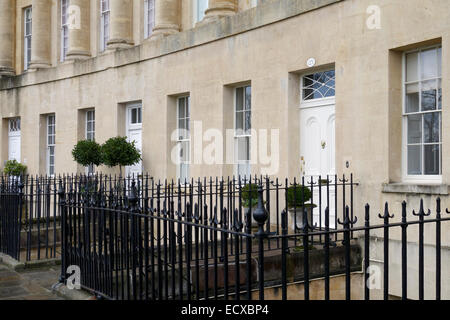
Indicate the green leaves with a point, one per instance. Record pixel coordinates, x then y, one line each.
14 168
250 195
87 153
297 195
114 152
119 152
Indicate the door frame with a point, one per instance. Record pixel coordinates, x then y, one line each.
130 127
315 103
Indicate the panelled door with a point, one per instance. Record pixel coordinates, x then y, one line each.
134 133
317 139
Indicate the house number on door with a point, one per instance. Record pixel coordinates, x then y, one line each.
324 144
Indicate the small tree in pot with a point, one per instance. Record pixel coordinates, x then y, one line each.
87 153
119 152
297 196
13 168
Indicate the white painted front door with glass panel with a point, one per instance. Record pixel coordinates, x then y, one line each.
14 139
317 137
134 133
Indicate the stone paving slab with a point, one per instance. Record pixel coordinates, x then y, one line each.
28 284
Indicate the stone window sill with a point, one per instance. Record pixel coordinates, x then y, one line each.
412 188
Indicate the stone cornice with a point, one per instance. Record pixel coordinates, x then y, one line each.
264 14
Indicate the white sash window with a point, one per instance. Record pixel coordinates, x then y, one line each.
27 17
64 29
104 24
149 17
422 114
242 130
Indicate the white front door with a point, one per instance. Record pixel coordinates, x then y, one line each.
134 133
317 136
14 140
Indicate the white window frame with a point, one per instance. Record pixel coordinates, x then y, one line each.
50 168
138 124
64 29
186 140
320 101
196 11
237 136
90 134
105 19
429 179
26 44
149 20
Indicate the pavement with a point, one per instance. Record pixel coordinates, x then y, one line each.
28 284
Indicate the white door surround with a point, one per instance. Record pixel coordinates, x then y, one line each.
134 133
318 138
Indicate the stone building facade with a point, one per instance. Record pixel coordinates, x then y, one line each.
336 86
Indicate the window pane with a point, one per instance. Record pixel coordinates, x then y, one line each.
432 160
431 127
243 149
239 122
319 85
239 99
248 98
429 64
439 53
415 129
188 107
139 115
429 95
248 122
439 94
414 160
412 67
412 98
181 109
243 169
184 151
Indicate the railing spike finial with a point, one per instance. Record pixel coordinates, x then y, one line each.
438 206
386 214
422 212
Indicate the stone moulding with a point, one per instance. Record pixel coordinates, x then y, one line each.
265 14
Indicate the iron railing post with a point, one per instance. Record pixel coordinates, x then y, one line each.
62 209
404 253
260 215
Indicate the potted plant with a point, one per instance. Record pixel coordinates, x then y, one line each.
250 200
119 152
14 170
87 153
297 198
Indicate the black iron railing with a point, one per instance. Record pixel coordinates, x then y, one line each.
195 241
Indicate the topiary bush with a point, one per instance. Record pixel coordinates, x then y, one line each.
87 153
250 195
119 152
298 195
14 168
